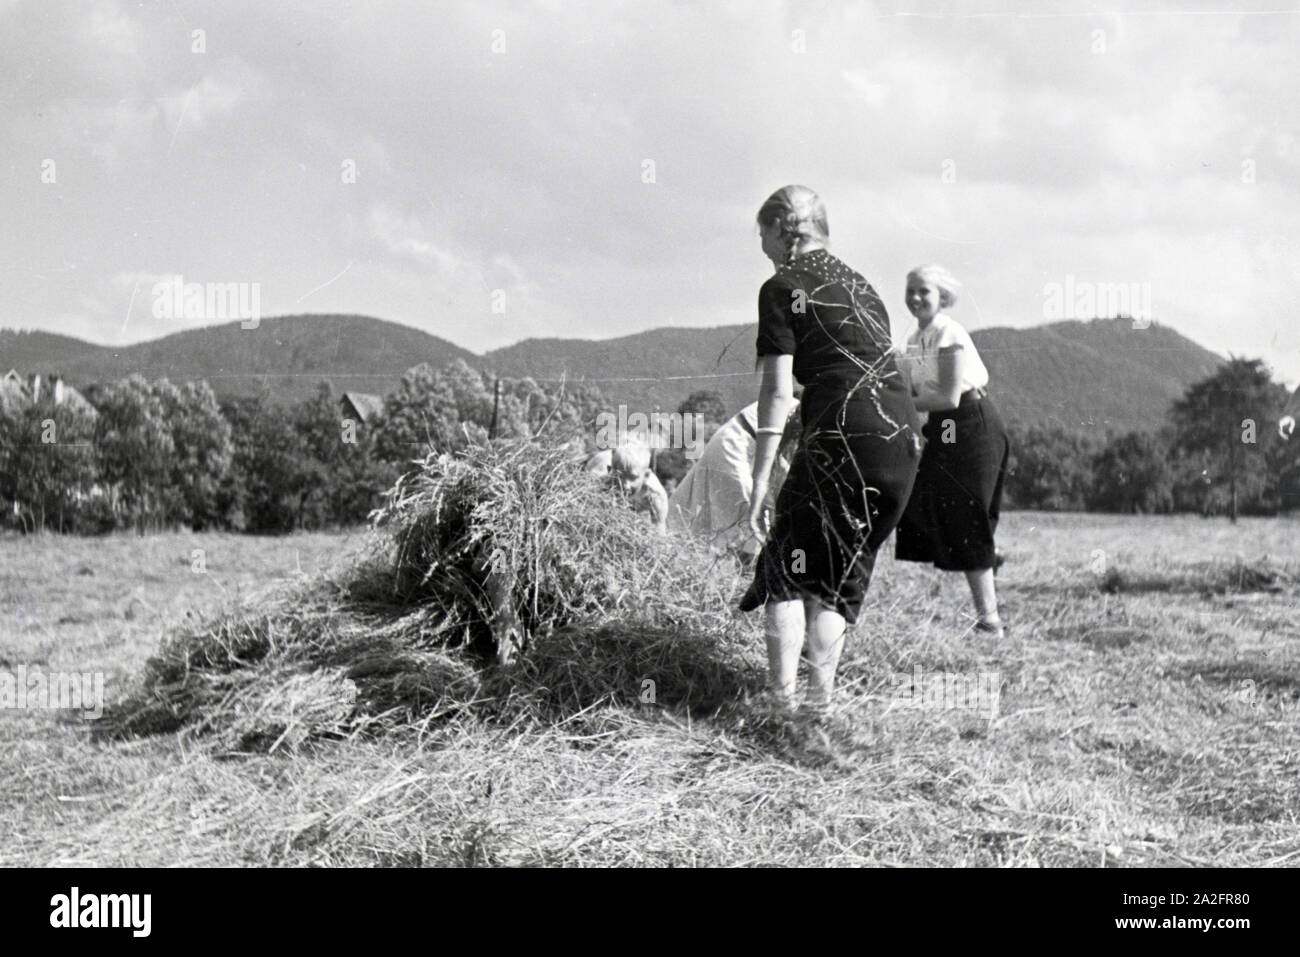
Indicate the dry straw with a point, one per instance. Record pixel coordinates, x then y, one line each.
506 552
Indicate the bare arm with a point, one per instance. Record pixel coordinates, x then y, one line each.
774 397
947 395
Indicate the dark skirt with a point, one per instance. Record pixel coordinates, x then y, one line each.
955 503
846 490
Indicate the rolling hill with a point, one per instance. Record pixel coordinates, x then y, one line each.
34 350
1096 374
1082 374
1099 373
291 354
648 370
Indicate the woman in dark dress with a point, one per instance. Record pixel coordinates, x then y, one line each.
953 512
821 323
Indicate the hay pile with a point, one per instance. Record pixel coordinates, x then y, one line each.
1212 577
507 551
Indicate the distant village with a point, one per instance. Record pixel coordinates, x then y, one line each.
17 391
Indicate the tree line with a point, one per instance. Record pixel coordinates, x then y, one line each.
155 455
1217 452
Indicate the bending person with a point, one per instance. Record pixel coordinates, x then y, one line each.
953 512
712 500
628 467
823 324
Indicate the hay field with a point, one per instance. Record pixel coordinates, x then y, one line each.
1149 714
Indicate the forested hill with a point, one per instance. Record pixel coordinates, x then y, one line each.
1097 373
288 354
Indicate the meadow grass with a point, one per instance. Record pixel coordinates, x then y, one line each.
1147 715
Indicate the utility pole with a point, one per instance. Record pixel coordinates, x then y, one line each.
496 407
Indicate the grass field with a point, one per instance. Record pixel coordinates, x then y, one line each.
1149 713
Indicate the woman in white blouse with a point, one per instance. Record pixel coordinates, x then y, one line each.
713 499
953 511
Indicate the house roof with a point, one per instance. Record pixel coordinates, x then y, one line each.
366 405
16 393
74 398
13 391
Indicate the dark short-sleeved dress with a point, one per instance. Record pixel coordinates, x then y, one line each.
952 515
857 456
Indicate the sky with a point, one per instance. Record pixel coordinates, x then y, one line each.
493 171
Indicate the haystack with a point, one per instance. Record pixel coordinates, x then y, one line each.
504 554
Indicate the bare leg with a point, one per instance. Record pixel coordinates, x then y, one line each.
826 629
986 598
784 628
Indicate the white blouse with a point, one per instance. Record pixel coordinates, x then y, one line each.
923 354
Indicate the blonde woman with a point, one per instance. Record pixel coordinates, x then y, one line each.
821 323
953 511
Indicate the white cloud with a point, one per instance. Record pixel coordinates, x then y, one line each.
212 96
131 280
403 235
873 94
522 171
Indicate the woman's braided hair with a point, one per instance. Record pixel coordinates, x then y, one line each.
801 215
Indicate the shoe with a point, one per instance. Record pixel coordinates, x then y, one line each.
777 707
820 740
997 628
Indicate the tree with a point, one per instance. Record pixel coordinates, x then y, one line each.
340 480
1051 468
135 449
1132 474
443 409
555 412
47 465
422 414
202 451
708 403
1225 421
270 475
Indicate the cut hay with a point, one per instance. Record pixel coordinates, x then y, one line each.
1216 577
504 554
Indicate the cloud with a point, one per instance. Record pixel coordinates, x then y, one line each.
403 236
141 280
523 170
212 96
872 93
